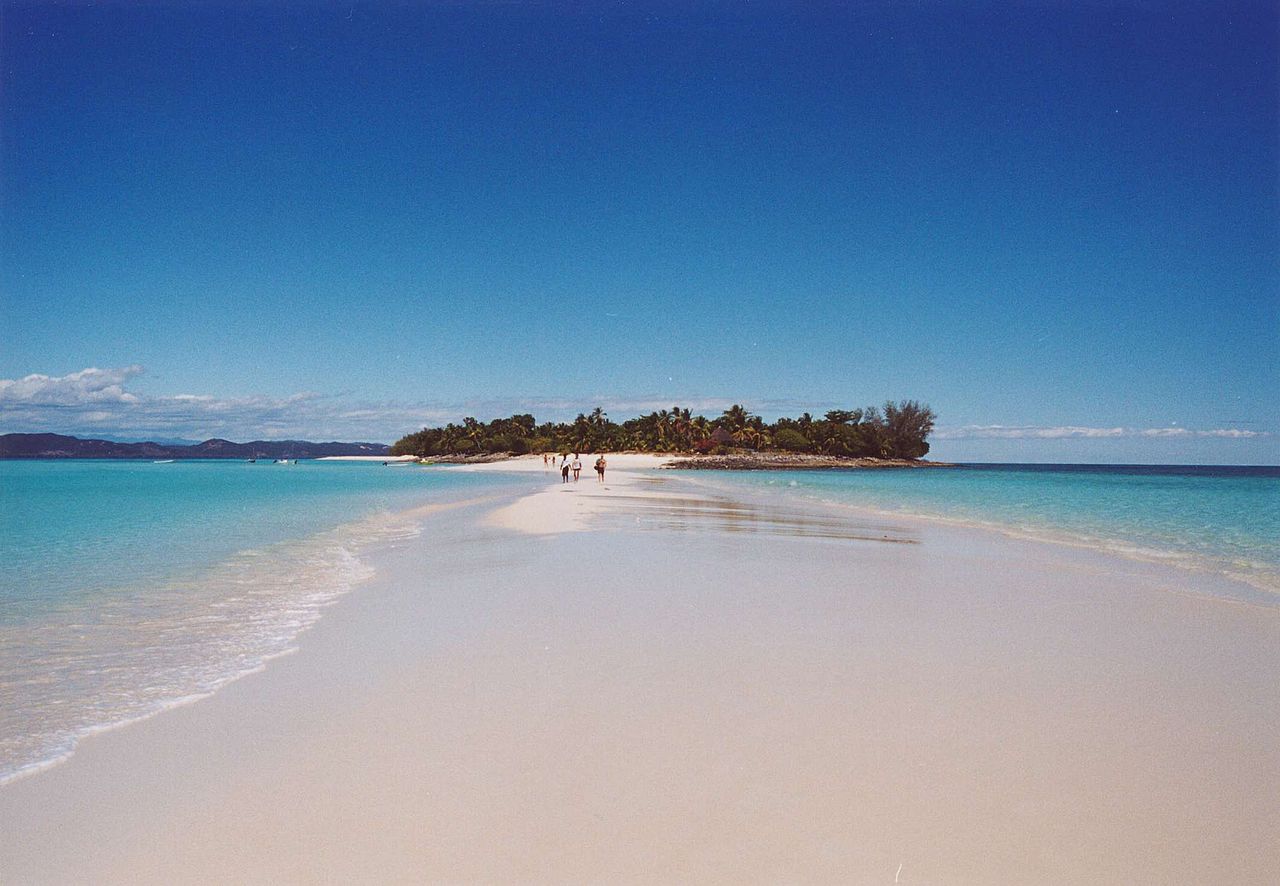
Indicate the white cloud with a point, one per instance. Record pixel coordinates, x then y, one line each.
1068 432
97 401
1231 433
78 388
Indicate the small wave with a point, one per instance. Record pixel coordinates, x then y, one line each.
1262 579
129 655
1257 576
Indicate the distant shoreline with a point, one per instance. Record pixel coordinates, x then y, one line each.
735 461
52 446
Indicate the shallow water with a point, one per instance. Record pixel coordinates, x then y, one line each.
1221 521
132 586
129 587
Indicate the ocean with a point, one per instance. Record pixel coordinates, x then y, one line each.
129 587
1216 521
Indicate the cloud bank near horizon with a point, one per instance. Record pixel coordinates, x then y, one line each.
99 401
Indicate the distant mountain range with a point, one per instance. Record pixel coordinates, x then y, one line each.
61 446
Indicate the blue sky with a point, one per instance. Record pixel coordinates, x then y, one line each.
1058 224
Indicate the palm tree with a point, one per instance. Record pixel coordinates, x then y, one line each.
699 429
680 427
450 437
750 435
735 418
829 438
580 433
662 425
473 431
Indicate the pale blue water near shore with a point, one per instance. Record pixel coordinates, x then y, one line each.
128 587
131 586
1214 521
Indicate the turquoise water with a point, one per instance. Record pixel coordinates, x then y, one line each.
1222 521
131 586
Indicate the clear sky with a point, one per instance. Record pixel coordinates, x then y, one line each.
1056 223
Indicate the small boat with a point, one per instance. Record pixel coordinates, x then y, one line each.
163 461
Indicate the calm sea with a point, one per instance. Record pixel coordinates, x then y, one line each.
129 587
1223 521
132 586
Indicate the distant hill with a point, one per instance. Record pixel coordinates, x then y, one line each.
61 446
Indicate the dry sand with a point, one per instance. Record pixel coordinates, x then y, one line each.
683 686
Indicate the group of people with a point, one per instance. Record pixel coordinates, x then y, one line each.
549 460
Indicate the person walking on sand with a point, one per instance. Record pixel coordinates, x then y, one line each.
564 471
600 465
577 467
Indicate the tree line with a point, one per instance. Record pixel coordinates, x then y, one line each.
897 430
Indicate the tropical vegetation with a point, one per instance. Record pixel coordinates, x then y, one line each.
897 430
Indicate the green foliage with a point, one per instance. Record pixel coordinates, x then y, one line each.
791 440
900 431
843 416
907 427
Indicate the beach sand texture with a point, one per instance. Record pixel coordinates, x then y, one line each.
647 681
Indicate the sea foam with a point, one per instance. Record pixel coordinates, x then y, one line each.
131 588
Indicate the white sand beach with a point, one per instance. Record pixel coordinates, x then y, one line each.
575 505
649 681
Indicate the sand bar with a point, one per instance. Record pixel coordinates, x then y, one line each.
657 684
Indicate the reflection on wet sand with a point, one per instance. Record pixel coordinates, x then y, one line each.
714 513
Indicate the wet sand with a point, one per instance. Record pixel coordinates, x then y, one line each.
643 681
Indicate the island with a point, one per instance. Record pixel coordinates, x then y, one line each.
895 435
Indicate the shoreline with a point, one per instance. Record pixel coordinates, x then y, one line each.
1213 575
680 685
330 564
736 461
1222 583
